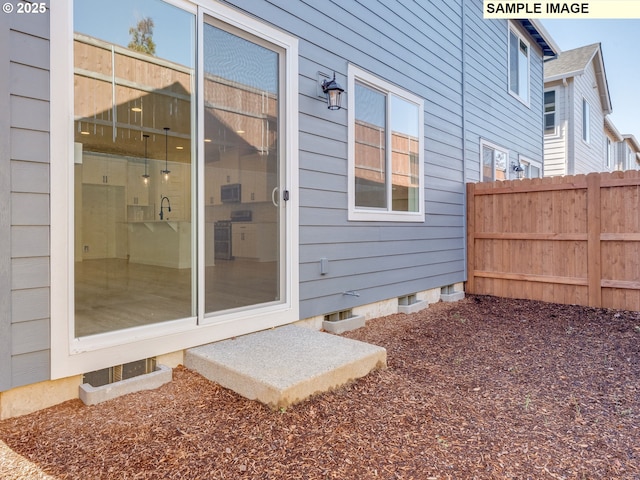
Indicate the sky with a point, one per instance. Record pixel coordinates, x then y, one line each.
174 30
619 40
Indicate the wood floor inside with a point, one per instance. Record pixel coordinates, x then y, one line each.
113 294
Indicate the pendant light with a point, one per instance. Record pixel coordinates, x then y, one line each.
145 177
166 170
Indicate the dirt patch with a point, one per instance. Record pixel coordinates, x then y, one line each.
483 388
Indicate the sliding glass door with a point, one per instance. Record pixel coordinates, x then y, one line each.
243 197
139 162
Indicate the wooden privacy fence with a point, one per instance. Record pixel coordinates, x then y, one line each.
572 239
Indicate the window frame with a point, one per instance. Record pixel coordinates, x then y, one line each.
356 74
520 37
493 146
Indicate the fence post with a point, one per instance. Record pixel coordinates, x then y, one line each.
471 201
594 267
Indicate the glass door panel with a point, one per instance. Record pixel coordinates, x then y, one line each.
134 71
242 194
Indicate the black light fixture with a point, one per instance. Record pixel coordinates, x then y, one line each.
145 177
333 91
166 170
519 169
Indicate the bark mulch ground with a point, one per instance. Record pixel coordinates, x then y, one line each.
485 388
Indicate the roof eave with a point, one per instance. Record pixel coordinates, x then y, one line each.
563 76
544 40
603 84
633 141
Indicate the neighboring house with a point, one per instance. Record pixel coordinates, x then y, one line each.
196 187
628 153
612 139
576 103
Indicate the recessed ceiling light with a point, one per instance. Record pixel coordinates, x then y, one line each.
179 148
136 109
240 132
207 140
84 132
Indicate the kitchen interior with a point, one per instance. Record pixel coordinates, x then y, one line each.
132 229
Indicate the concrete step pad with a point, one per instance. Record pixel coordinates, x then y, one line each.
285 365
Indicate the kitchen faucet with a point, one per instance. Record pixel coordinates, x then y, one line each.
162 207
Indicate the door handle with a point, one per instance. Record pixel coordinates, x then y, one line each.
273 197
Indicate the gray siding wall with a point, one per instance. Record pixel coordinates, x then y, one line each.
417 47
24 200
492 113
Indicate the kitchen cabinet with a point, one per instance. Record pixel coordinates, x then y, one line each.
257 175
257 179
255 241
215 177
104 171
244 240
137 191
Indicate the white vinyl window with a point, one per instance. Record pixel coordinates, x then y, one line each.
530 168
519 66
386 150
549 112
586 121
493 162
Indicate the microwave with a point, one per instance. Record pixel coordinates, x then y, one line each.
231 193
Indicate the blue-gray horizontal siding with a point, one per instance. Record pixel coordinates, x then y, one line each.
24 198
5 215
492 113
417 47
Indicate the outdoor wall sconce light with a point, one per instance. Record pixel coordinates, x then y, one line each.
145 177
519 169
166 170
333 91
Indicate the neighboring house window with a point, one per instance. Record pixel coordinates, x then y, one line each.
620 157
586 121
518 66
531 168
386 152
609 153
494 162
550 111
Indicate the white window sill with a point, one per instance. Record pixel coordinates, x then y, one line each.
375 216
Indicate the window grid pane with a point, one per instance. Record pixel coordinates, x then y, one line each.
404 145
487 164
550 111
370 148
513 63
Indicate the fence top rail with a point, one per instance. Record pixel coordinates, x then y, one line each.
569 182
